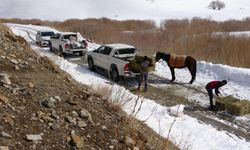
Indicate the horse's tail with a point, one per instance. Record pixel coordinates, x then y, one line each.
195 68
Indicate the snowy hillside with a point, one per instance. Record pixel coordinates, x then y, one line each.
186 131
120 9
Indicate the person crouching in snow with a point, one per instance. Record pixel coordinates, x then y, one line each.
214 85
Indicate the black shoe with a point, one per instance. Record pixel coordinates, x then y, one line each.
213 108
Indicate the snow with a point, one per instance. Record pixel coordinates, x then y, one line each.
156 10
176 110
236 34
186 132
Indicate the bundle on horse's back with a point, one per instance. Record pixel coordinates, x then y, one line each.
177 61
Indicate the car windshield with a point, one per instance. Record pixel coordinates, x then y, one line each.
47 33
126 51
69 35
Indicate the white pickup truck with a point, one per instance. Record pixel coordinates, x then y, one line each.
43 37
114 59
68 42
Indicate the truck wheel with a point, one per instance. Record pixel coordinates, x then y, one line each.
91 64
115 75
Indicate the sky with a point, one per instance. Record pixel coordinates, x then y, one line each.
156 10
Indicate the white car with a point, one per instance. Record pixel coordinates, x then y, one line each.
43 37
68 42
114 59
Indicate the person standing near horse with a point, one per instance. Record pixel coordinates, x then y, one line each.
214 85
178 61
144 73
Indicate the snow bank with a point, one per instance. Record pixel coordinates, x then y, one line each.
236 75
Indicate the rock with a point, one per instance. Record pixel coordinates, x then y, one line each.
8 119
74 114
47 118
58 98
4 148
55 116
77 141
55 126
72 102
4 75
129 141
111 147
49 103
73 132
40 114
136 148
114 142
4 79
31 85
86 115
3 99
5 135
12 55
33 137
17 67
26 63
3 57
104 128
69 119
14 61
82 124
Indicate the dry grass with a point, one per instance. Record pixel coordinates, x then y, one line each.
190 37
118 99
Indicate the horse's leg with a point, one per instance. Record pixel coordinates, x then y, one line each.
172 73
190 68
191 64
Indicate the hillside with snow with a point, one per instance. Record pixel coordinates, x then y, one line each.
186 128
156 10
177 111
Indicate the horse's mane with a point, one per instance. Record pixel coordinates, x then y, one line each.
164 56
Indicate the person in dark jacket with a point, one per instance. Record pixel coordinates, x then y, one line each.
144 73
214 85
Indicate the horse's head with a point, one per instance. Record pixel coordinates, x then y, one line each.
160 55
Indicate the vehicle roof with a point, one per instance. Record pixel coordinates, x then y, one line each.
46 31
65 33
119 46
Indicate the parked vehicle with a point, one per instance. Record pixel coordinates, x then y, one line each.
43 37
68 42
114 59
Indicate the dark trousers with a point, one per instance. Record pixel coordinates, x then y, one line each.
210 94
143 77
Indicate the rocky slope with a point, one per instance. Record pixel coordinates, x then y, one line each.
41 107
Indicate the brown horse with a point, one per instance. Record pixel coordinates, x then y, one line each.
178 61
